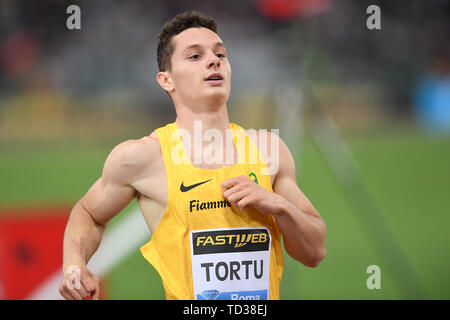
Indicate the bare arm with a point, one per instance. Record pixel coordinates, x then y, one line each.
303 230
89 217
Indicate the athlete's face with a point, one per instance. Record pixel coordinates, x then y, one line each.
200 69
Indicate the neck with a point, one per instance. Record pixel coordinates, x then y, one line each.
213 118
196 122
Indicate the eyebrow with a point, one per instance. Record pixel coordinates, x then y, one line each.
198 46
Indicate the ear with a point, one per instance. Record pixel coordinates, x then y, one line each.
165 81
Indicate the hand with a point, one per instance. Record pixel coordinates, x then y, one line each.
243 193
79 283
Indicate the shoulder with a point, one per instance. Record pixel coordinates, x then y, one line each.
129 158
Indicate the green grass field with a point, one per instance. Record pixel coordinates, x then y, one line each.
407 173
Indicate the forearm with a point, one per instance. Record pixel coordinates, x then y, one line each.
81 238
303 234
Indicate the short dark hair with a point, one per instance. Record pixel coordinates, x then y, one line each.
181 22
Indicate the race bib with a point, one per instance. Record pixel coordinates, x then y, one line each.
231 264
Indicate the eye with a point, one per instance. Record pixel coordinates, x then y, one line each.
194 57
220 55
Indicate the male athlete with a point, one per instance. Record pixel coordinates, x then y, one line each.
216 226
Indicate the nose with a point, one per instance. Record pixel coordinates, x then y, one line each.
213 60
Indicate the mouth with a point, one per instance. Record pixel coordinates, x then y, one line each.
214 79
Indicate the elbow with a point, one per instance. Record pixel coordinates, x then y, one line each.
319 257
320 253
310 255
315 259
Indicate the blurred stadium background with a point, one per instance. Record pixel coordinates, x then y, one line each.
366 114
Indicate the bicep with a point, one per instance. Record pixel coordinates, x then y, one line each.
113 190
288 189
105 199
285 183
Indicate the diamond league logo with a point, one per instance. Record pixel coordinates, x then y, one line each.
210 294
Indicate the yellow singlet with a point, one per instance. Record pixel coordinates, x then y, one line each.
204 248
